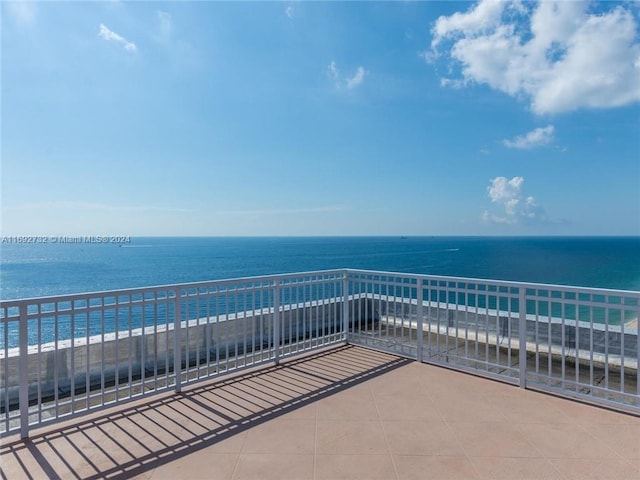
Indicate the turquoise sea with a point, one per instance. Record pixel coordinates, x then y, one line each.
34 270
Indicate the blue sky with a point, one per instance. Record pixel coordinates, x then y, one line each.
323 118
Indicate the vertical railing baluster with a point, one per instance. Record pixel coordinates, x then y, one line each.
522 330
465 297
177 348
563 339
87 354
429 319
509 299
102 344
233 301
129 311
622 313
116 311
143 343
276 321
23 332
345 306
476 317
5 379
39 362
606 348
208 331
419 295
72 360
638 351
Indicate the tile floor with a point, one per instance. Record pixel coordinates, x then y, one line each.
345 413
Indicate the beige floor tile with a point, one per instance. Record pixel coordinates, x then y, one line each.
280 387
194 416
170 430
226 442
466 407
77 462
596 469
434 468
410 407
410 369
150 427
397 386
421 438
21 464
454 382
252 466
350 438
348 405
144 436
564 440
100 453
305 412
51 461
141 472
496 468
354 467
281 436
582 414
522 406
200 465
493 439
142 476
623 439
228 408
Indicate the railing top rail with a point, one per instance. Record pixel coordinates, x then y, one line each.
285 276
141 290
509 283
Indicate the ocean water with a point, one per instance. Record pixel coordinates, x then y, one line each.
35 270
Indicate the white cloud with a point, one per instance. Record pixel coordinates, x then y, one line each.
165 24
332 70
349 82
514 207
535 138
24 13
556 54
357 78
502 189
482 17
109 36
429 56
289 11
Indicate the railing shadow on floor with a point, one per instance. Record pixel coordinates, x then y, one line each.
138 438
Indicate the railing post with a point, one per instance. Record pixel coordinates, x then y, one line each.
345 306
522 331
177 346
419 320
276 321
24 374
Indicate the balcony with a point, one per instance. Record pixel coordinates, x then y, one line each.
315 375
347 412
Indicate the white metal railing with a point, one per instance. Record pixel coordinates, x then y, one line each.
575 341
67 355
